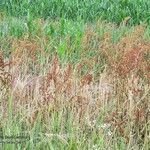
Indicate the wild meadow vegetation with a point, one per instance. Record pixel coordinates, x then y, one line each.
75 75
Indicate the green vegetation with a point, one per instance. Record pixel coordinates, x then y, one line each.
88 10
74 75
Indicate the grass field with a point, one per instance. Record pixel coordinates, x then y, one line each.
88 10
74 75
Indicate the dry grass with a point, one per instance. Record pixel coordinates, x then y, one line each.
120 94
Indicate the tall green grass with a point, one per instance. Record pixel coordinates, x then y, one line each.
88 10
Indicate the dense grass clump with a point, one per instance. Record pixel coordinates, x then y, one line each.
70 79
70 85
88 10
